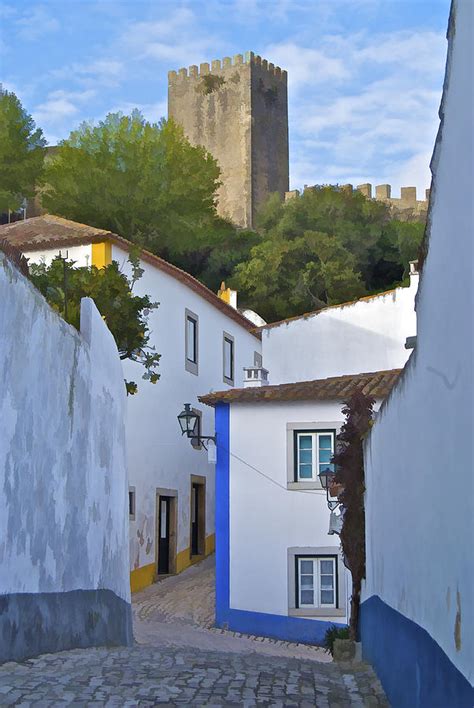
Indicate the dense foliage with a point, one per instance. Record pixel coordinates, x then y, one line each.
332 634
143 181
349 460
148 183
327 246
21 153
126 314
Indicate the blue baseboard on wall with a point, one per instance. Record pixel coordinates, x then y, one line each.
289 629
414 670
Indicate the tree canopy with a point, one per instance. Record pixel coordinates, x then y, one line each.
126 314
142 180
326 246
21 153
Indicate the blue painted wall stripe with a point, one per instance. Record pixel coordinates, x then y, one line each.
222 516
294 629
414 670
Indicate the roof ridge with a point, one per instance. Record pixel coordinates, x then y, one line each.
91 233
313 313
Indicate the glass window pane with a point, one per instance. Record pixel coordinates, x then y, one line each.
325 456
327 582
306 566
228 358
191 340
327 597
305 442
325 442
327 566
306 471
307 581
325 466
307 597
306 456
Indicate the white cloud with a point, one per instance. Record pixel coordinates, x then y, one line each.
306 66
379 122
61 105
99 72
35 23
153 112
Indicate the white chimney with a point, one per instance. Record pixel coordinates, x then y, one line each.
414 274
255 376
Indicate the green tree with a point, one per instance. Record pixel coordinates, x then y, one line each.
144 181
324 247
21 153
126 314
286 277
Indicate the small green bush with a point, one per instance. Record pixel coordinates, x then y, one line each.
332 634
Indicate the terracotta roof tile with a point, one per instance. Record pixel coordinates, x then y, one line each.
48 231
377 384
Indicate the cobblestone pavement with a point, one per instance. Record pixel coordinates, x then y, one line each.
179 659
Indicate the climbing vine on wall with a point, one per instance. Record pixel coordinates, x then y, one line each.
349 461
210 83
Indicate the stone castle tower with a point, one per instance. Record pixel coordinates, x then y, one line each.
237 110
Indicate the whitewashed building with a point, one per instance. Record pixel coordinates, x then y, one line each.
366 335
417 611
204 344
278 571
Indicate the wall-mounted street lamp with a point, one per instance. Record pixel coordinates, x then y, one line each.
326 477
189 422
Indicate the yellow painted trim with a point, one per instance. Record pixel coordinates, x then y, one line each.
183 560
210 545
102 255
142 577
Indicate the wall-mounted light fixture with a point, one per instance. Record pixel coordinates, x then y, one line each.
326 477
189 424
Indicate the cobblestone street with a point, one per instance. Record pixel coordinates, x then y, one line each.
179 659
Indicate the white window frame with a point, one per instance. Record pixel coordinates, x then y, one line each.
315 435
132 503
191 365
226 337
317 589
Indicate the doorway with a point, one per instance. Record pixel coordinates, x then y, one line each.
198 515
166 500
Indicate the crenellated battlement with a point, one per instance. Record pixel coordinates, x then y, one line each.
218 65
406 207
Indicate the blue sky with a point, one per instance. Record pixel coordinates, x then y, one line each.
365 76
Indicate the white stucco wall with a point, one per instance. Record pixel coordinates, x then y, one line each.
365 336
63 506
158 456
81 255
266 518
419 456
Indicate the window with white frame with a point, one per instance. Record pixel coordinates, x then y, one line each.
228 358
313 453
191 341
316 581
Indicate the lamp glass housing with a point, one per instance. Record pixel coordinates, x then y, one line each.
325 477
188 421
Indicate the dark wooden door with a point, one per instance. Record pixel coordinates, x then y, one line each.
164 536
195 493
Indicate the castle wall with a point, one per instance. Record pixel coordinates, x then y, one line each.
238 111
270 158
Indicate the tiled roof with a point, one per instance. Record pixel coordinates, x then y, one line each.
48 231
313 313
337 388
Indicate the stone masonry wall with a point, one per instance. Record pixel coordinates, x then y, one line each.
238 111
